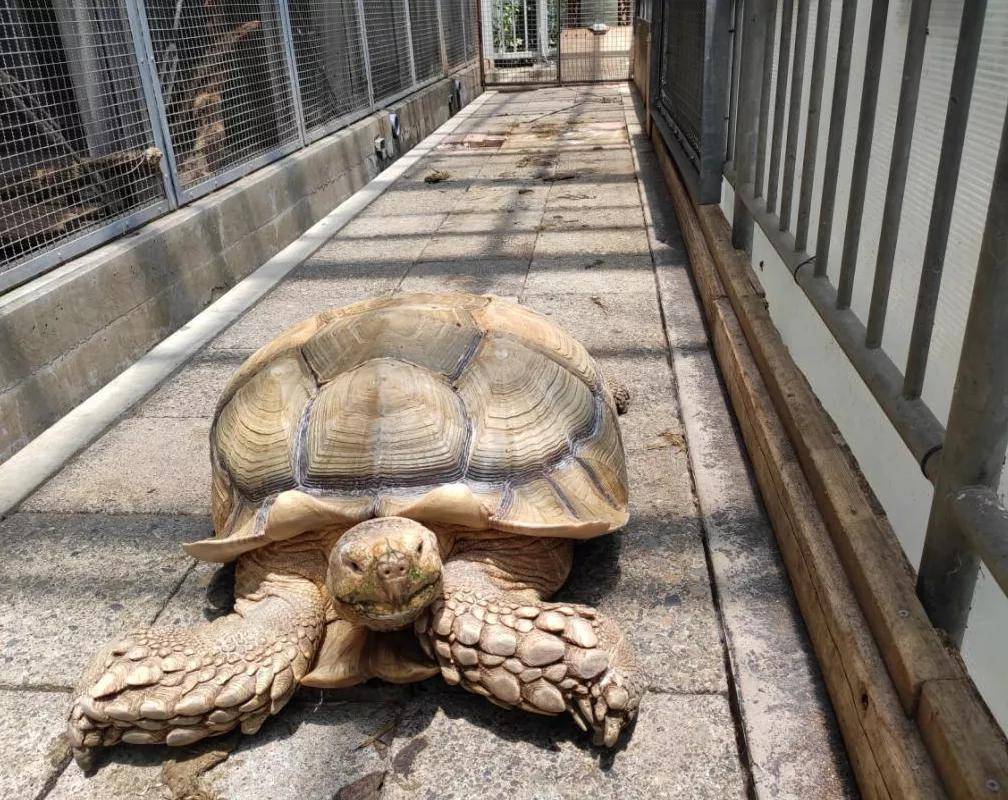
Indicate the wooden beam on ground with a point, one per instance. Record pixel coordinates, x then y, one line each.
885 747
872 556
965 743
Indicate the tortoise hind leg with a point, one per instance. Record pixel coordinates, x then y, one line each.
179 685
495 635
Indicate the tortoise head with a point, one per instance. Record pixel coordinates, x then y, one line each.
384 572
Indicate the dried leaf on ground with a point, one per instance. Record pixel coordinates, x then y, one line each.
668 438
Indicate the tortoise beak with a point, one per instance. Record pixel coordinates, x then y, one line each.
394 569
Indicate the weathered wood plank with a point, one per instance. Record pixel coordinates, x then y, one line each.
886 751
871 554
958 732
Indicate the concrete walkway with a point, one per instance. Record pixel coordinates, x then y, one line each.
550 197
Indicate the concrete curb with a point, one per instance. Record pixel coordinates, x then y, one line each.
38 461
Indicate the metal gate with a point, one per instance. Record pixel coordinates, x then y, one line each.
688 93
556 41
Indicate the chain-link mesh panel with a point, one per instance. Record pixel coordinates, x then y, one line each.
454 37
521 41
224 81
388 46
595 39
470 22
329 49
76 150
426 41
682 59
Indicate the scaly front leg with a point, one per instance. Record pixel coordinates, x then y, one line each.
542 657
177 686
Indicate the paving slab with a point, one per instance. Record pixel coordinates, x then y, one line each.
501 277
31 724
71 582
194 390
590 273
144 465
652 579
447 748
517 194
505 245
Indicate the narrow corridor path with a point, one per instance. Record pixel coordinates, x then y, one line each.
550 197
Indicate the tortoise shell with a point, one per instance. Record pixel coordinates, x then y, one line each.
453 409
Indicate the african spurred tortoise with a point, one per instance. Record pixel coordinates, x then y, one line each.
400 482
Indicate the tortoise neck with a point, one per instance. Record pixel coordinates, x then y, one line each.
527 567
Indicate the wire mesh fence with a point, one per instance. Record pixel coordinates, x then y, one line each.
470 27
553 41
77 150
427 57
520 41
454 34
388 43
595 39
329 49
115 111
225 89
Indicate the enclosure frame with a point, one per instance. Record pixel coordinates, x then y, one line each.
176 193
701 169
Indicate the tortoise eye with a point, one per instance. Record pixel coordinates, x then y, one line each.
352 564
419 547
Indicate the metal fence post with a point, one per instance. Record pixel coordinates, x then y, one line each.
753 52
977 432
283 12
409 43
441 38
366 54
153 98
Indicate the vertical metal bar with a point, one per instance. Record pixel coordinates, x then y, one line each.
441 38
838 113
746 128
862 151
899 164
946 181
769 30
794 112
524 21
480 41
151 85
283 12
409 43
812 125
542 25
365 53
780 100
561 14
735 72
977 432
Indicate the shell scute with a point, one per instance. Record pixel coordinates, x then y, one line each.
385 423
256 432
440 339
525 409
